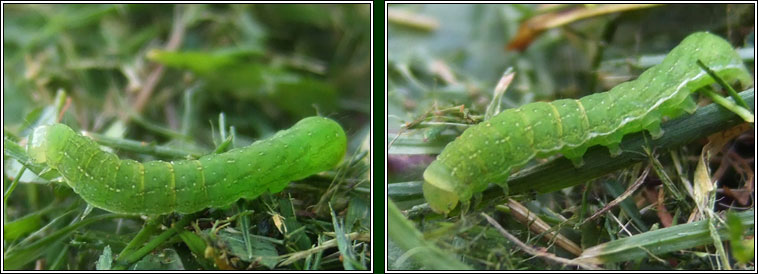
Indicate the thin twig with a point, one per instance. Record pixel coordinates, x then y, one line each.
294 257
444 124
536 224
13 185
621 197
175 40
535 252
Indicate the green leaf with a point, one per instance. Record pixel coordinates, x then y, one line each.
105 260
657 242
195 243
22 226
263 251
202 62
166 259
742 248
357 212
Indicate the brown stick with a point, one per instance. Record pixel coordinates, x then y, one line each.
535 252
175 39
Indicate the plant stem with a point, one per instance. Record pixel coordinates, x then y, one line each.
154 243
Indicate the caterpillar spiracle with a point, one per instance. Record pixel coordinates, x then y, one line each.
312 145
489 151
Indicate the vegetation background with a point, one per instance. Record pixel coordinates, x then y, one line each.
444 61
181 78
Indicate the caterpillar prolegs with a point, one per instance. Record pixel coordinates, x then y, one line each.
487 152
312 145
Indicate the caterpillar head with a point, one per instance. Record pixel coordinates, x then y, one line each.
46 141
439 188
37 146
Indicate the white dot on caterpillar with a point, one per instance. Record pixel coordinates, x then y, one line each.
230 161
310 133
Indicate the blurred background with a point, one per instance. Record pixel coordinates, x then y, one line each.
264 66
456 53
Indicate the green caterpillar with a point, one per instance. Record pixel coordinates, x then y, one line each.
312 145
487 152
